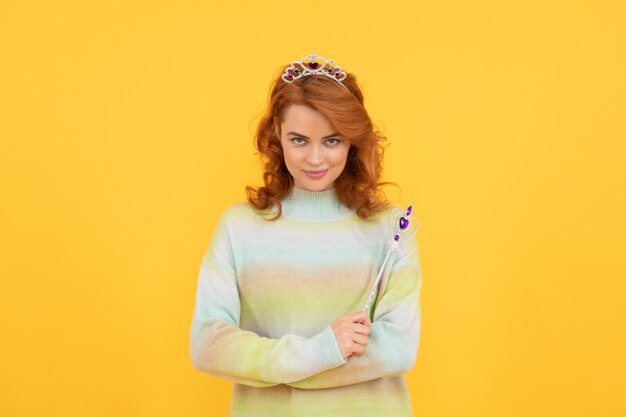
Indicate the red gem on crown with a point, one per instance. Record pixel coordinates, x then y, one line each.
313 65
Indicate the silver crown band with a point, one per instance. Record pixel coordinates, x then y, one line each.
314 65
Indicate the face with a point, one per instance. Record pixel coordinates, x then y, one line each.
314 152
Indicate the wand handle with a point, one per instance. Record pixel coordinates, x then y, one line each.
390 249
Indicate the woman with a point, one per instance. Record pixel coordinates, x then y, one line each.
282 285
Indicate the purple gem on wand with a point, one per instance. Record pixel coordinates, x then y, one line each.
401 225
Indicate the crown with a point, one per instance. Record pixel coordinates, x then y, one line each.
313 65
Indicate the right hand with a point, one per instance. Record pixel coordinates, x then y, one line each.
352 333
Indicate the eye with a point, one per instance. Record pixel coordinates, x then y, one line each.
336 141
295 140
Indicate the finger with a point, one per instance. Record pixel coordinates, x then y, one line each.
366 320
358 349
361 329
358 317
360 339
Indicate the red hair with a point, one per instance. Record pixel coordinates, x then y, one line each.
358 186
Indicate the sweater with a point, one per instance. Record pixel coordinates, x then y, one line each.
269 291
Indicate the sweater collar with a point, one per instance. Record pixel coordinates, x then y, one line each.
314 206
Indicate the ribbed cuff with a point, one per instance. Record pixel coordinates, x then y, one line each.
324 351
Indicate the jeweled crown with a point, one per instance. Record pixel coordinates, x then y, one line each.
313 65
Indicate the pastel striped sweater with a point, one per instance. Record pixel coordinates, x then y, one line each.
269 291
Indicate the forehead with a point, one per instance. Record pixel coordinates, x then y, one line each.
305 119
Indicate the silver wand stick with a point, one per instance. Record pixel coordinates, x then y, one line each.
399 224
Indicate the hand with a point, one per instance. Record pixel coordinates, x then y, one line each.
352 333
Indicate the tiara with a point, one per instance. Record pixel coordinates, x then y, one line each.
313 65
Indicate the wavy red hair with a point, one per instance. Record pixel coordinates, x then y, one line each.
358 186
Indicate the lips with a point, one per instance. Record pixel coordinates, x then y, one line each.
316 175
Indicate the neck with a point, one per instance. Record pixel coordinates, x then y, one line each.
314 206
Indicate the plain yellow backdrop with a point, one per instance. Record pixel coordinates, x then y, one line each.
127 127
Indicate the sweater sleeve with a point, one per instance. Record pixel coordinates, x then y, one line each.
220 348
394 333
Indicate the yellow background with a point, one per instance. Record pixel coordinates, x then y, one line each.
127 128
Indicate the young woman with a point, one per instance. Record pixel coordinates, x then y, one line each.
282 286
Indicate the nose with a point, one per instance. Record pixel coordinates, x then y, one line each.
315 155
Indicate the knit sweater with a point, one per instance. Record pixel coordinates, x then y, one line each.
269 291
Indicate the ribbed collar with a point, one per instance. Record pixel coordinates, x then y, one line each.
314 206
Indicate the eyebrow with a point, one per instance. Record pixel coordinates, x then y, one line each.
301 135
